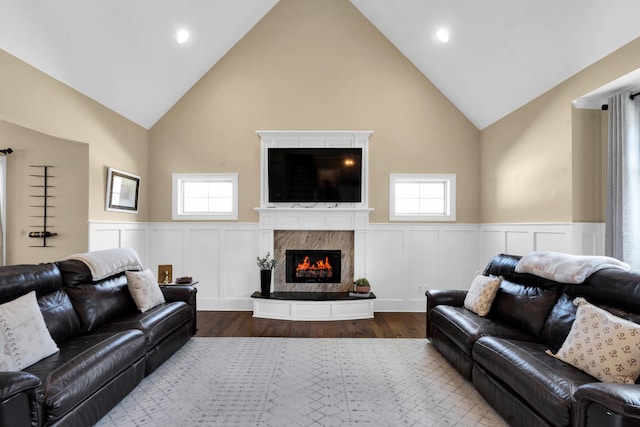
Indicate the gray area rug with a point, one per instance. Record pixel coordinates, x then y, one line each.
304 382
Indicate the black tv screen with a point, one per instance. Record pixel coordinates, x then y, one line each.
303 175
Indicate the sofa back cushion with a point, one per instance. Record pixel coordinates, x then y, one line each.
504 265
46 279
523 300
59 316
559 322
616 291
610 287
18 280
525 307
74 272
95 302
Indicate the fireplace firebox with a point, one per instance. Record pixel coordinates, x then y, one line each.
313 266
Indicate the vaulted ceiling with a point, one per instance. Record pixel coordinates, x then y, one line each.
501 53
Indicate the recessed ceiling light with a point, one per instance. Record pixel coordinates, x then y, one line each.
182 36
443 35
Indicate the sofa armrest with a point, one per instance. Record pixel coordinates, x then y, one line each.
443 297
598 404
21 399
186 293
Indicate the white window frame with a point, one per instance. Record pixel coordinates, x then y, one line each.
450 207
178 179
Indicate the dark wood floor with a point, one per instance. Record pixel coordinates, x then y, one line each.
243 324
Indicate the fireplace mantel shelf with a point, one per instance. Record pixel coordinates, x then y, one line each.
313 296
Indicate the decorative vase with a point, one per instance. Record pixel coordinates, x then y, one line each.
362 289
265 282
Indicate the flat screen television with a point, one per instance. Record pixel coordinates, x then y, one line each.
314 175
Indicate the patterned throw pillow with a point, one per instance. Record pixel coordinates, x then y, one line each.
144 289
24 337
602 345
481 294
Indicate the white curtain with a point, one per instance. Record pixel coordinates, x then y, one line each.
623 180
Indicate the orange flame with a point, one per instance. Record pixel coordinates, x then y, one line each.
306 265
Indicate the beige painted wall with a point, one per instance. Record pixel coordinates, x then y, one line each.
314 65
311 65
531 158
69 181
589 142
35 101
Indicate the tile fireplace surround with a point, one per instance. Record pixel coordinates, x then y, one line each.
304 240
341 227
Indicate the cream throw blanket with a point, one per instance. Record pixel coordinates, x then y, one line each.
109 261
566 268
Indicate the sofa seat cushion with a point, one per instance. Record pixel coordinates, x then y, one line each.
84 365
544 382
156 323
464 327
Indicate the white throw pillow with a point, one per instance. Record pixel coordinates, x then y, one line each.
24 337
481 294
602 345
144 289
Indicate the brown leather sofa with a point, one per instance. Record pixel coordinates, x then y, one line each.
106 345
503 354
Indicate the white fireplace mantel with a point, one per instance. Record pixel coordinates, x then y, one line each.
330 217
314 218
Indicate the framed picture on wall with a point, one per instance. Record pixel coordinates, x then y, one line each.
122 191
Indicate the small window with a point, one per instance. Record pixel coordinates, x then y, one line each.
423 197
205 196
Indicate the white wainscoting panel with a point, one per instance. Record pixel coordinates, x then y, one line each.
220 256
401 260
203 262
168 245
241 276
108 235
404 260
423 259
551 241
519 239
492 242
588 238
518 242
386 266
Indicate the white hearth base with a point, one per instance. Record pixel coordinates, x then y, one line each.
313 310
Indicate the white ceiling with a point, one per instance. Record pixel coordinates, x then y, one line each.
501 55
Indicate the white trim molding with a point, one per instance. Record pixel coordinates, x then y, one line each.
419 209
179 180
313 139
